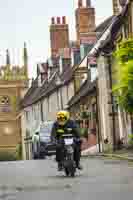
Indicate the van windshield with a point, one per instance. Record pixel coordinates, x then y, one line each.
45 131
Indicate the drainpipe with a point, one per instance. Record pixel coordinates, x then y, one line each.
97 117
41 108
61 97
112 101
60 83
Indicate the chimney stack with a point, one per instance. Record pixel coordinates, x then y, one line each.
53 20
59 36
63 20
80 3
88 3
58 20
85 19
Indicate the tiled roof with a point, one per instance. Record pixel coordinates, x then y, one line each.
67 75
109 27
106 41
35 93
30 95
104 25
85 89
65 78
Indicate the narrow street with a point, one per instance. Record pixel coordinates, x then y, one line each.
101 179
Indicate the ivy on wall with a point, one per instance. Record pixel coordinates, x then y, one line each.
14 103
123 89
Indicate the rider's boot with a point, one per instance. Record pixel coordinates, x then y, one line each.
78 166
60 167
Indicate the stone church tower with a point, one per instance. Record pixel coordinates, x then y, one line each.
13 86
115 7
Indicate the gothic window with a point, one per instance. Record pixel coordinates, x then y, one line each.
4 100
5 104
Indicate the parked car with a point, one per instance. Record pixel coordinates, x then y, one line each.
35 145
46 147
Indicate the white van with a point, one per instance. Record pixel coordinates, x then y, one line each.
46 148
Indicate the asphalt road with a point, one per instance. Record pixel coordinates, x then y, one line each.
36 180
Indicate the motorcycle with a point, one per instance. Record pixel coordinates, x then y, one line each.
68 163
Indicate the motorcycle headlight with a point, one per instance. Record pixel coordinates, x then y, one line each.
70 149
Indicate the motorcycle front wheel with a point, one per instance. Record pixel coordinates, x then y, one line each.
73 172
66 172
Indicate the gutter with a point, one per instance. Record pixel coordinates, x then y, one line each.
106 37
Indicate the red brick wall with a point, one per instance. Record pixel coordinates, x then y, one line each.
90 142
85 20
59 36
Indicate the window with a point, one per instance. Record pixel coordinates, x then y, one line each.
94 73
5 104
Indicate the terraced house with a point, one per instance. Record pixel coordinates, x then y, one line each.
78 77
62 74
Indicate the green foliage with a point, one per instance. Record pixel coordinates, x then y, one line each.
14 102
12 156
19 152
124 86
84 115
125 51
130 137
84 132
7 156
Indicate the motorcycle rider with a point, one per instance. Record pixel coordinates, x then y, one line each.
64 125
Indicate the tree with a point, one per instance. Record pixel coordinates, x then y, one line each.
124 86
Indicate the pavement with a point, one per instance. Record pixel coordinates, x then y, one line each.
101 179
124 154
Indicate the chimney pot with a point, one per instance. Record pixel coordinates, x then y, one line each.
58 20
88 3
53 20
80 3
64 20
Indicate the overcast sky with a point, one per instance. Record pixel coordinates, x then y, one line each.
29 20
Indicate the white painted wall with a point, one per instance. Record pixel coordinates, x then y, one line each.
23 131
31 116
53 106
45 109
70 90
64 95
103 99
